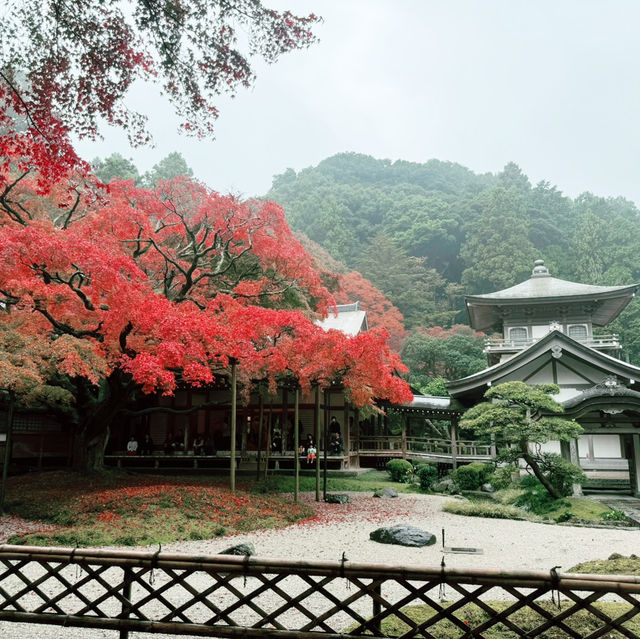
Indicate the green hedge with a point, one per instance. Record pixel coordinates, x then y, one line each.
400 470
472 476
428 475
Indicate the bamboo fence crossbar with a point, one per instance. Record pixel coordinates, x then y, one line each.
230 596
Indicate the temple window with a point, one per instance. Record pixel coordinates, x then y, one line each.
518 334
578 331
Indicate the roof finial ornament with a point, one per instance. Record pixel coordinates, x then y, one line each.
539 269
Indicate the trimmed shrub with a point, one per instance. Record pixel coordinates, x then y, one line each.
428 475
501 477
467 477
472 476
400 470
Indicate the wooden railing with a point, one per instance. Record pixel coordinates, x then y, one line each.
498 344
226 596
424 446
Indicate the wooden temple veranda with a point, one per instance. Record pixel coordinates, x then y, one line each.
541 330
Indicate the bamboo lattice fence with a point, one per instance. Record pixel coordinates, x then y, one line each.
228 596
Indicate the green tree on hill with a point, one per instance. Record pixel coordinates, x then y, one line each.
497 251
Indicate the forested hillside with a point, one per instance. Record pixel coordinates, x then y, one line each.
427 234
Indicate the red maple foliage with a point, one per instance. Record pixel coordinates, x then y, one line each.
144 289
67 66
380 311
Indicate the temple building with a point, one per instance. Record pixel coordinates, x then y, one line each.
543 330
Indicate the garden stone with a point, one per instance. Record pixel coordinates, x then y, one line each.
247 549
486 488
337 498
386 492
403 536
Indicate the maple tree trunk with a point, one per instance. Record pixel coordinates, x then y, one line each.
533 464
88 450
94 428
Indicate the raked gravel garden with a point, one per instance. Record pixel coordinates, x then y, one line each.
344 528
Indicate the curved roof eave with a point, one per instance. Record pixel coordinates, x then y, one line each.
613 300
470 383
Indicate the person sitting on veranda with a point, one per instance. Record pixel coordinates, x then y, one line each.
146 447
169 444
335 445
312 451
198 445
132 446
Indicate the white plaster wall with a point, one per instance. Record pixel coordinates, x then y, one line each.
607 446
583 446
539 330
550 447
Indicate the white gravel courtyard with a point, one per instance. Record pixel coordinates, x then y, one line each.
506 544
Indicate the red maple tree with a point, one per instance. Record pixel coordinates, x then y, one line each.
135 290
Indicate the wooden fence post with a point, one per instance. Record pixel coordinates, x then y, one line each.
127 578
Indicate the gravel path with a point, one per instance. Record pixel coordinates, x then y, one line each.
510 545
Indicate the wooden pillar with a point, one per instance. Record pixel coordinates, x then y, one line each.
260 421
296 444
634 465
403 436
284 434
346 441
234 408
356 421
316 436
454 443
325 438
7 450
573 451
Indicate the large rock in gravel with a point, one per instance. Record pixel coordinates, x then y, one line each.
386 492
337 498
247 549
403 536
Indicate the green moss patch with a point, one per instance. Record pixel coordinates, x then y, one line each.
471 616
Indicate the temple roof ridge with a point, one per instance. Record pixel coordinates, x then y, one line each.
542 284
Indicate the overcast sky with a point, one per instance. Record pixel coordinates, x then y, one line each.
553 85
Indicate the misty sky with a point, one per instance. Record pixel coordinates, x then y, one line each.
553 85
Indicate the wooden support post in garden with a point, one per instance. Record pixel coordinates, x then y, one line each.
127 578
403 435
234 408
325 437
7 451
377 609
269 430
356 422
573 451
296 444
346 441
284 421
454 443
260 421
316 436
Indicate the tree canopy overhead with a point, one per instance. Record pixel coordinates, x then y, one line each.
65 66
